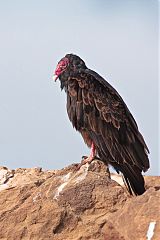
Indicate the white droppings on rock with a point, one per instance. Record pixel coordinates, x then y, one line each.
3 186
5 175
150 231
83 173
65 180
66 177
76 178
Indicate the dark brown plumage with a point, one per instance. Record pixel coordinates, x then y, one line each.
99 113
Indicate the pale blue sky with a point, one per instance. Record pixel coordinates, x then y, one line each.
117 38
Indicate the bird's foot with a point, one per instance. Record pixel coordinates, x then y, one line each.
85 160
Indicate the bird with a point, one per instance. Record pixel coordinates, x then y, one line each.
100 115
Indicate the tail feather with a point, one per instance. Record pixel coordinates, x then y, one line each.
133 179
127 185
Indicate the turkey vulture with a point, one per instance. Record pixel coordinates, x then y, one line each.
99 113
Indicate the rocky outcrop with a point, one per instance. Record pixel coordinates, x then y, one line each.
75 205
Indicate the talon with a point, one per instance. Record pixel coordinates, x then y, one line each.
85 160
89 159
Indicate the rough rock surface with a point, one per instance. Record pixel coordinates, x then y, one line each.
75 205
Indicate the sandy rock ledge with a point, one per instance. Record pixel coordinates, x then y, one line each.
75 205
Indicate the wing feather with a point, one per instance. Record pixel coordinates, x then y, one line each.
114 129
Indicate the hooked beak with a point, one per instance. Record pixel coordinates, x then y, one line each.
55 77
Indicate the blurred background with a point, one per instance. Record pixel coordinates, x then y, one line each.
116 38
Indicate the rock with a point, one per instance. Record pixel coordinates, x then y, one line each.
75 205
137 214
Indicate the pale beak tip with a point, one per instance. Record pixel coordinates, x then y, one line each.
55 77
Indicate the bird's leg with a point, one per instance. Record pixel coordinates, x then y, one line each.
90 158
